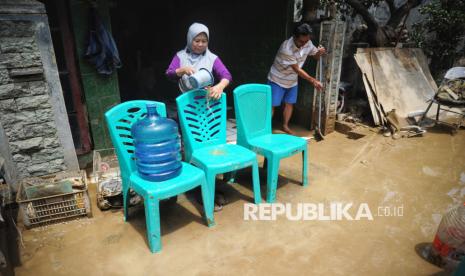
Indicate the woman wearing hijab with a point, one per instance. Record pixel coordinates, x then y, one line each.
192 58
196 56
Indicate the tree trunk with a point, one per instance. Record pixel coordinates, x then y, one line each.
398 14
383 36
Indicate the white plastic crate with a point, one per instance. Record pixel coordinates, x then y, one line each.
107 177
105 165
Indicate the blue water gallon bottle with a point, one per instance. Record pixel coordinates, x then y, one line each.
157 146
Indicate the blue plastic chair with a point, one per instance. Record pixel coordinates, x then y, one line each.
252 104
120 119
203 125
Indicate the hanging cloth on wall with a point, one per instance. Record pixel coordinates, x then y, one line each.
101 49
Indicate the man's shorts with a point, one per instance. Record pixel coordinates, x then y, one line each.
280 94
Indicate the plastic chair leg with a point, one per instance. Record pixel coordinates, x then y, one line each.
304 168
272 180
256 183
126 204
125 190
152 219
211 178
208 208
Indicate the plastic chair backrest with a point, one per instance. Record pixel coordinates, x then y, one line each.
203 120
252 104
120 119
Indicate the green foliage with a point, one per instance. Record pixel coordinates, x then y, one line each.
440 33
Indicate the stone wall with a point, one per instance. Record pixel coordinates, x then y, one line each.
28 109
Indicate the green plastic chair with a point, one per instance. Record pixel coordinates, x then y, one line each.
252 104
120 119
203 125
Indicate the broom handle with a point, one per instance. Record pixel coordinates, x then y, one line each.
319 96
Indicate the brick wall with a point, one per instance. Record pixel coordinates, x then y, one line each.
31 139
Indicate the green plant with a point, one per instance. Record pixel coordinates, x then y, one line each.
441 33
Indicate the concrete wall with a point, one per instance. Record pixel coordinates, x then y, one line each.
34 129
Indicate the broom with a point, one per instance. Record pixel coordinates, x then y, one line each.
318 135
